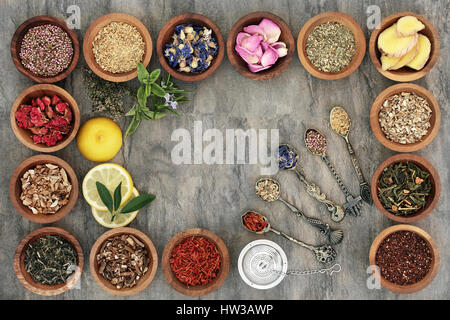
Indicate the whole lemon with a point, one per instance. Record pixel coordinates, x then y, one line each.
99 139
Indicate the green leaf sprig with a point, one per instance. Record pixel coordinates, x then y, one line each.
113 202
154 100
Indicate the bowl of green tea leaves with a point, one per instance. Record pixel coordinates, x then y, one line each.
49 261
406 187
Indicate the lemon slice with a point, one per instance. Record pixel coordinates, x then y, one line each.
121 220
110 174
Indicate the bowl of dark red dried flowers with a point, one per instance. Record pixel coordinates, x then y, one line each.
45 118
190 47
49 261
406 188
123 261
45 49
404 258
405 117
195 262
43 188
114 44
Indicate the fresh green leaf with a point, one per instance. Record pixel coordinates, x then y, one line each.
132 111
157 90
142 72
171 110
148 90
105 196
118 196
138 203
154 75
133 126
141 96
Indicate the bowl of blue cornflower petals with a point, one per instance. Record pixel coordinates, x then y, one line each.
190 47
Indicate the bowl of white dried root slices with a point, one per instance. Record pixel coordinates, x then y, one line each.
404 47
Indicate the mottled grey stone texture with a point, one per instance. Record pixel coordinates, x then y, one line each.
213 196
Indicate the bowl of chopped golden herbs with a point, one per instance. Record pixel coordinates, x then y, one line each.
45 49
190 47
123 261
195 262
405 117
406 257
404 47
114 44
406 188
49 261
331 45
43 188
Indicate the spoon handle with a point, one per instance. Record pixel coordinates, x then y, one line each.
284 235
363 185
336 211
336 176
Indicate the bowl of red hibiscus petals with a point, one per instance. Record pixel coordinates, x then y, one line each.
404 258
195 262
45 118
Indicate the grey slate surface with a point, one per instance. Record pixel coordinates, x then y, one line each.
213 196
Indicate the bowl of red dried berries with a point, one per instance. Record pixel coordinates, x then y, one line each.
45 118
45 66
404 258
195 262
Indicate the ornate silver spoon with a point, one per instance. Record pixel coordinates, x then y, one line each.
316 143
288 160
269 190
323 253
364 187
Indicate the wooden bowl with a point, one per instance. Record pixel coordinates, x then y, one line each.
92 32
15 188
165 36
196 291
433 198
395 89
143 282
16 42
25 135
27 280
344 19
431 273
241 66
404 74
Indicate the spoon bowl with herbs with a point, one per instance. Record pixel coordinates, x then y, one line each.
49 261
257 223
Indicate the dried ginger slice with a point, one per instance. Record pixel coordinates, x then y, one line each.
423 54
393 46
408 26
388 62
407 58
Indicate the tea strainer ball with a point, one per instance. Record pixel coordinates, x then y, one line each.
262 264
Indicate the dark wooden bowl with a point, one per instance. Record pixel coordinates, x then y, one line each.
433 269
395 89
433 198
404 74
25 135
143 282
92 32
15 188
344 19
195 291
16 42
165 36
241 66
27 280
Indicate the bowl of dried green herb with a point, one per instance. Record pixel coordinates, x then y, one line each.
49 261
406 188
404 258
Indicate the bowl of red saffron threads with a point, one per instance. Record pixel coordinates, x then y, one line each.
195 262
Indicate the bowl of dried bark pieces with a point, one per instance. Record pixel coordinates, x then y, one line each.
405 117
43 188
123 261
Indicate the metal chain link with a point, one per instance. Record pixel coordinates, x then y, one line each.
335 268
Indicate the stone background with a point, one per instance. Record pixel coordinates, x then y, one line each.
213 196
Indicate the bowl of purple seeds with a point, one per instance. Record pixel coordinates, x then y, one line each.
45 49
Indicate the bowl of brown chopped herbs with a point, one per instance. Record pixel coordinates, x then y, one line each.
406 188
49 261
405 117
123 261
404 258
